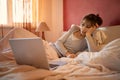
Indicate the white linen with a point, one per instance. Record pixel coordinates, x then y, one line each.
80 68
9 70
109 56
100 37
50 52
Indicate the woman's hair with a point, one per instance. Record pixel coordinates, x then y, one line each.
93 19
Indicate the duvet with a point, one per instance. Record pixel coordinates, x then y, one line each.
86 66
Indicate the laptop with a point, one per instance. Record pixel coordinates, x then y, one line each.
31 51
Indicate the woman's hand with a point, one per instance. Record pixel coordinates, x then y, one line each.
91 30
70 55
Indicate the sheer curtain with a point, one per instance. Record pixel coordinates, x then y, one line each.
3 16
3 11
22 13
18 13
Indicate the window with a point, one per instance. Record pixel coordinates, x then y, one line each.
3 11
22 11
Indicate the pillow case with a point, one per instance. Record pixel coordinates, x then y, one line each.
109 56
50 52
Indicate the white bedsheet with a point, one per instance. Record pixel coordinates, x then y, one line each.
9 70
74 70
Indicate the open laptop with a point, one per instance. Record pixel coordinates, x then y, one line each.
31 51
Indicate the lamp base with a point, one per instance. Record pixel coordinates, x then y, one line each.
43 35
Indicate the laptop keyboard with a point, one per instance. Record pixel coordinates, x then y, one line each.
55 64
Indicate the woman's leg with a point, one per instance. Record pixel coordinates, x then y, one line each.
14 33
4 42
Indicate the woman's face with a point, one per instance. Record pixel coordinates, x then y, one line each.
84 27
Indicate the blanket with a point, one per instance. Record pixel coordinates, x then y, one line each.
75 69
9 70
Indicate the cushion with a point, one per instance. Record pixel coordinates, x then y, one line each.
109 56
50 52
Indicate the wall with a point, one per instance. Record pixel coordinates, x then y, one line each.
74 10
51 11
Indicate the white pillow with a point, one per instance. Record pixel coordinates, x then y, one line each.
109 56
50 52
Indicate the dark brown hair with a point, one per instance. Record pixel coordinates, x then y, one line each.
93 19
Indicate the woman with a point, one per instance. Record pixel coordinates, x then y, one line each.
78 39
75 40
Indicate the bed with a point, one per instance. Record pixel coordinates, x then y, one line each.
79 68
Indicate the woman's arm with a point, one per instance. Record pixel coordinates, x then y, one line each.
92 46
60 42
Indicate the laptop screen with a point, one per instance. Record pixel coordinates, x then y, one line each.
29 51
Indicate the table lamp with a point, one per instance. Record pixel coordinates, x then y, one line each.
42 26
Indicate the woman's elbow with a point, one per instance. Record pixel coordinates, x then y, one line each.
94 49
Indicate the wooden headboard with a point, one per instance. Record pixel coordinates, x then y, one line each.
4 29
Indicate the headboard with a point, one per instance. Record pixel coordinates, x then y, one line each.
4 29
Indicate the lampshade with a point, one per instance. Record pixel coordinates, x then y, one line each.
42 27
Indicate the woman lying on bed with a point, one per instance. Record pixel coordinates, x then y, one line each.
77 39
